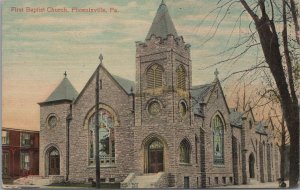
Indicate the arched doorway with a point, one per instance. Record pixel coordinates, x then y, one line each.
251 166
53 161
155 151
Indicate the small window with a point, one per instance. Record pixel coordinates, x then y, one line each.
224 180
24 161
208 179
182 109
154 108
111 180
230 179
250 124
216 180
102 180
52 121
5 137
25 139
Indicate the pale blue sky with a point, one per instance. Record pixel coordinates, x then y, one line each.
39 47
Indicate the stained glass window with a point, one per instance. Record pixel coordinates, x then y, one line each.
218 140
185 151
106 139
154 76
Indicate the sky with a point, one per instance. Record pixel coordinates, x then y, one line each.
38 47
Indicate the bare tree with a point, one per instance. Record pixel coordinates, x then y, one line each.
276 34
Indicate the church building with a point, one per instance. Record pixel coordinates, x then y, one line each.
158 131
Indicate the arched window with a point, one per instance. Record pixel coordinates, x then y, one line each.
106 138
185 151
218 140
180 72
154 76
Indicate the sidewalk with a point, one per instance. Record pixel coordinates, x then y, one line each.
254 184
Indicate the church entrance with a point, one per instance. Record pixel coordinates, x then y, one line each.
54 162
155 157
251 166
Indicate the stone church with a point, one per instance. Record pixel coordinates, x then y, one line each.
157 131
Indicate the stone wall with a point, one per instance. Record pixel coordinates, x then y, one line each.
115 100
53 136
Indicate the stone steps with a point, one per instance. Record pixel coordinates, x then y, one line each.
146 180
32 180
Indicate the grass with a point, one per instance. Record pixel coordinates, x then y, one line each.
102 185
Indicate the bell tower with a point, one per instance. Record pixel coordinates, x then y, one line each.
163 75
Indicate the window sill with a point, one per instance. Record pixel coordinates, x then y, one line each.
219 166
107 166
185 164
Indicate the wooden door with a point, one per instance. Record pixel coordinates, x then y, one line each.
54 164
155 157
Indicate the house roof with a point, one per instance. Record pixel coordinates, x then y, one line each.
162 24
64 91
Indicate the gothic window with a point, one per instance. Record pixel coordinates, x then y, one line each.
185 151
106 139
180 72
218 140
154 76
182 108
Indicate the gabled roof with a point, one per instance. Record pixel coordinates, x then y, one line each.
64 91
162 24
198 94
236 118
126 84
260 127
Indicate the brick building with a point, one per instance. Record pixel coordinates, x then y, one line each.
159 131
20 153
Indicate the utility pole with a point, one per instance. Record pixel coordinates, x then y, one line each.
97 160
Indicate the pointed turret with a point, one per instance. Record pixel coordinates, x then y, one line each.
64 91
162 24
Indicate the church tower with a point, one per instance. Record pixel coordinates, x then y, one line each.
164 133
163 74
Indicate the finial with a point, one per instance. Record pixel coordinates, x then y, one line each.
216 73
65 74
162 2
101 58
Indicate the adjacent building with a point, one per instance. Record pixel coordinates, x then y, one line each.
20 153
160 130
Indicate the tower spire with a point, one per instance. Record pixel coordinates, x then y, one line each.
162 24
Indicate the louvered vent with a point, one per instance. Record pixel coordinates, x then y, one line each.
180 71
154 76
